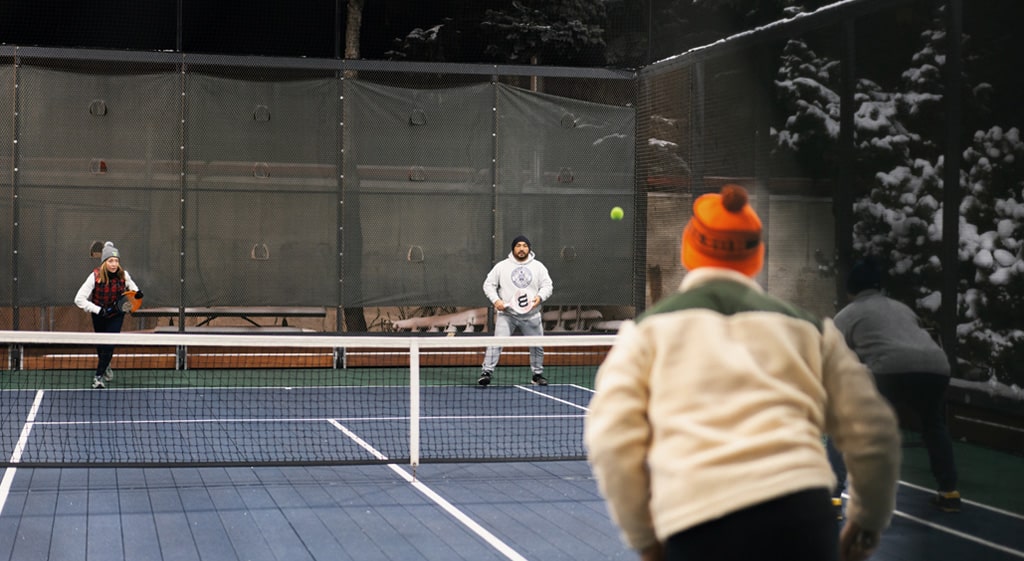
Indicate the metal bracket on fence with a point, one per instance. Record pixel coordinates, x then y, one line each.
259 252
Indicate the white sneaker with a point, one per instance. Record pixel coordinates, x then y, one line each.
108 375
98 384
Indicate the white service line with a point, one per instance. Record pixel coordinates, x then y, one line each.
451 509
8 479
959 534
966 501
988 423
551 397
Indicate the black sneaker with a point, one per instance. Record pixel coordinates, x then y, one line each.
947 501
484 379
539 380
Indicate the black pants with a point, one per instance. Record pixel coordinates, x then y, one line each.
924 395
105 353
797 527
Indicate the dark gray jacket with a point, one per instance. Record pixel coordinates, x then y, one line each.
887 336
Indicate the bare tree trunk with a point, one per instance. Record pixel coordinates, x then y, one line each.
352 31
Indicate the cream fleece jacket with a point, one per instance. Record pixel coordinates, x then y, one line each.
717 398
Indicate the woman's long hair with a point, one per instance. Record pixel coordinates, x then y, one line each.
104 275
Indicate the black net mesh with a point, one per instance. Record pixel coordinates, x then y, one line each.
173 399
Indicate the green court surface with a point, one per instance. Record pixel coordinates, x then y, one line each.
291 377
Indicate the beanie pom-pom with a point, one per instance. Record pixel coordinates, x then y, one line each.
734 198
109 251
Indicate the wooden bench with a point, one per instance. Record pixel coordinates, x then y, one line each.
232 329
247 313
570 319
610 325
466 322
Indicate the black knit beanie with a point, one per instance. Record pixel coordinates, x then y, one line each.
865 274
521 238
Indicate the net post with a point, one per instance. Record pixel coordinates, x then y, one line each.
14 353
414 403
180 357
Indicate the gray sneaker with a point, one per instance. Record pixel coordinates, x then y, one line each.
97 383
108 375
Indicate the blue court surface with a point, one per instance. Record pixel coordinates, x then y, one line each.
519 511
445 510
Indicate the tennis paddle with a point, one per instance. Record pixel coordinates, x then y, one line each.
128 302
523 300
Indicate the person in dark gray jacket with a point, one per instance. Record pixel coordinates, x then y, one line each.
910 369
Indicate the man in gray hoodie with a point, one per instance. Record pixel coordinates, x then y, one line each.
516 286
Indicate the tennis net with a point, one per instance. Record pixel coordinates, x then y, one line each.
220 399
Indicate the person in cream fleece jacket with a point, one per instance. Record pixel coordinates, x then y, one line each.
705 429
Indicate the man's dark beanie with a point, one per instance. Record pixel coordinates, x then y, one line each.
521 238
865 274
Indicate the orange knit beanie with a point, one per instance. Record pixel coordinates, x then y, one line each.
724 232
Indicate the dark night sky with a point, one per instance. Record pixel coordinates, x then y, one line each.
259 27
307 28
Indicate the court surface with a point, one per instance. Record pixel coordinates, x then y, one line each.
548 510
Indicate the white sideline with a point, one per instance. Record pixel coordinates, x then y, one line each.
8 479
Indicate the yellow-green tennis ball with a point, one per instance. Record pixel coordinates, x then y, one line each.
618 213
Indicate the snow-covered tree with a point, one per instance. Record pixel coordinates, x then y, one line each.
991 250
899 216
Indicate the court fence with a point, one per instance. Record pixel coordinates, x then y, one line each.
349 185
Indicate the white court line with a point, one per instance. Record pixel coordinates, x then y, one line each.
551 397
579 387
451 509
19 448
965 501
226 420
987 423
959 534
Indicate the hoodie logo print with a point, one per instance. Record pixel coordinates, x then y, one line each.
522 277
